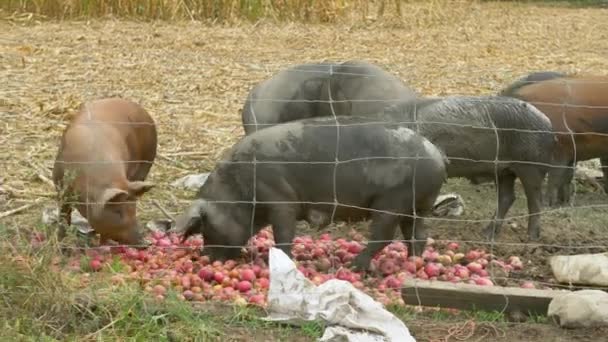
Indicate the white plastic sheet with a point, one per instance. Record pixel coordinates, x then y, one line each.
588 269
191 182
350 315
50 215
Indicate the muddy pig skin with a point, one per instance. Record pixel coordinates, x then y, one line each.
293 177
104 157
488 138
357 88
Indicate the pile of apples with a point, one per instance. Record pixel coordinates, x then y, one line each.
170 265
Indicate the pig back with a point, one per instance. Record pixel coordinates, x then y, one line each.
299 159
276 99
530 79
580 99
364 89
476 131
574 104
355 88
111 129
129 122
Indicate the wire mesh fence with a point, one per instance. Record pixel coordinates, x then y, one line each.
326 167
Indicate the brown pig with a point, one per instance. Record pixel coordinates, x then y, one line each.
577 106
104 157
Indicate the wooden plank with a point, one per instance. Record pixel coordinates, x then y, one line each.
475 297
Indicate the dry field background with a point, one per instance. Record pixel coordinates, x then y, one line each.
193 77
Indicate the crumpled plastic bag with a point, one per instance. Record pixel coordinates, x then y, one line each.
191 182
448 205
50 216
350 315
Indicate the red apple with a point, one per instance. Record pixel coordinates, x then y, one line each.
244 286
257 299
206 274
473 255
218 277
483 282
527 285
453 246
247 274
432 269
95 265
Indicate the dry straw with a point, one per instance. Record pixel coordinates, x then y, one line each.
227 10
193 77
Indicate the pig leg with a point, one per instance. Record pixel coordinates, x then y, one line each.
65 212
553 186
558 186
383 227
604 165
65 220
531 179
414 228
565 189
103 239
283 221
506 197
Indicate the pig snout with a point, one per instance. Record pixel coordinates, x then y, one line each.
317 218
136 237
131 236
190 222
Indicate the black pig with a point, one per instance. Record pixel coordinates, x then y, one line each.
357 88
488 138
290 169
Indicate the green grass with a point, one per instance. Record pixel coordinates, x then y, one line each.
486 316
46 305
408 314
43 304
313 329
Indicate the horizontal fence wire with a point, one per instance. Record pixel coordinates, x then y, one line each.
333 120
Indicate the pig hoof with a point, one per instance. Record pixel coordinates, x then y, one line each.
533 237
489 233
65 250
556 204
362 269
360 266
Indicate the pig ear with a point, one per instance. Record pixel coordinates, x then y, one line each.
110 195
113 195
139 188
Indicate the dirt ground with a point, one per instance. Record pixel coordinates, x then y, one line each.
194 78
